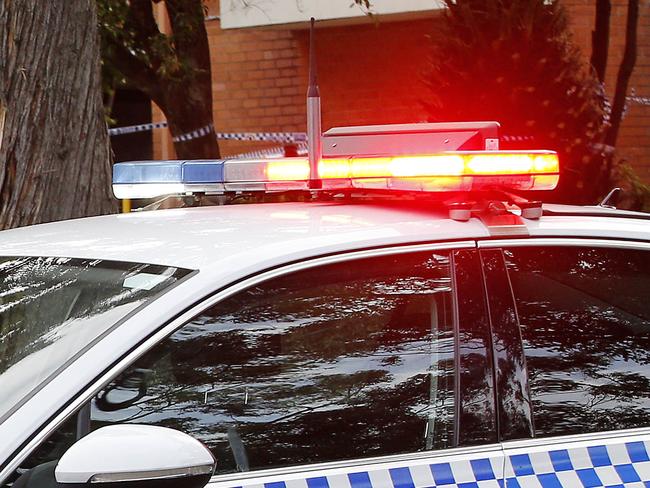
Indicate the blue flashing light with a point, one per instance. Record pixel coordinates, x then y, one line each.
144 172
203 172
187 172
149 179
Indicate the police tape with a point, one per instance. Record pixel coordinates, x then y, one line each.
131 129
639 100
288 137
272 152
195 134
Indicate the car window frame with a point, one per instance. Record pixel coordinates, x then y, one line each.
220 293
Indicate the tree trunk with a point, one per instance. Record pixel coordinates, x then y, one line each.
600 38
184 94
620 93
186 115
54 149
624 72
193 111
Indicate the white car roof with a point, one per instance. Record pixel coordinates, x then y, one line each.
207 237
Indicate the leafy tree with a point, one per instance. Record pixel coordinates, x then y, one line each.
54 151
514 61
172 68
637 194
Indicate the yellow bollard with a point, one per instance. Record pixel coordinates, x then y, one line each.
126 205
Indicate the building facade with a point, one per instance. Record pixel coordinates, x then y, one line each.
370 69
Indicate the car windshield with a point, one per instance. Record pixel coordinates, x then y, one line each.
52 309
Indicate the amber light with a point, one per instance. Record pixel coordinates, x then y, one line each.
511 164
446 164
495 163
334 168
287 170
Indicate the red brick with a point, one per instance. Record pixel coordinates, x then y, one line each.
284 81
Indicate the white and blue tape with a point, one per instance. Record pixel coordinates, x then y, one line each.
639 100
132 129
195 134
271 152
288 137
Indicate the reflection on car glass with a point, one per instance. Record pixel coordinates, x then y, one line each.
585 318
333 363
51 309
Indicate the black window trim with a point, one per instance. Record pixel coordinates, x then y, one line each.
507 351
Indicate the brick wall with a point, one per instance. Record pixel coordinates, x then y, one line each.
371 74
258 83
634 137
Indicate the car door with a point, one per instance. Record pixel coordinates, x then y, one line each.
583 314
368 370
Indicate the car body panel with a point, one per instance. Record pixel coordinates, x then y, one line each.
233 247
222 238
264 235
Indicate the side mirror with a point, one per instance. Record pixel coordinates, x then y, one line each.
132 455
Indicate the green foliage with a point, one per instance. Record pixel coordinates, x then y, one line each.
169 63
636 193
131 40
514 61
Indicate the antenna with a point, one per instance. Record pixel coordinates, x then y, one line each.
314 143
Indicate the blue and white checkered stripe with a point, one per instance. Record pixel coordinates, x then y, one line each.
618 464
457 473
614 466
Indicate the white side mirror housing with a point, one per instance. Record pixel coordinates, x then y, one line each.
131 453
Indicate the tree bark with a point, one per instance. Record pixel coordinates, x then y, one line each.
620 94
195 110
600 38
624 72
184 95
185 115
54 150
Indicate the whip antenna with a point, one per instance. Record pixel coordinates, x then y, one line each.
314 143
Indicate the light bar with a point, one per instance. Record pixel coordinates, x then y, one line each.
445 164
150 179
449 171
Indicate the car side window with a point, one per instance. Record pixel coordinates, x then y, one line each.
348 360
585 322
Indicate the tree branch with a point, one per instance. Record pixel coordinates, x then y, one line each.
136 72
190 37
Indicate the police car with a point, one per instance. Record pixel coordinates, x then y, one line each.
411 324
